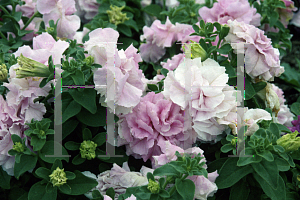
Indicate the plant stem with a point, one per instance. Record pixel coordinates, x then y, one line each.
30 20
184 177
165 184
2 35
4 10
172 190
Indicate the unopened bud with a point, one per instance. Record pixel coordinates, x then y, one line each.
289 141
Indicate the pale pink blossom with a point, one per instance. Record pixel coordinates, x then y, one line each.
34 25
173 63
121 84
61 10
152 122
205 187
28 8
80 34
261 59
102 45
285 116
225 10
296 19
239 117
168 154
208 97
119 179
89 7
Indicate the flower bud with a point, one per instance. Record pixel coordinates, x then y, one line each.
196 50
18 147
87 149
89 60
58 177
116 16
153 186
3 73
289 141
31 68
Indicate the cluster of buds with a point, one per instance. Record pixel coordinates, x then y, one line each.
116 16
18 146
289 141
3 73
58 177
153 186
87 149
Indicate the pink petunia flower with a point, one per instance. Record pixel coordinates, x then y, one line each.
208 97
152 122
119 179
225 10
174 62
296 125
120 82
89 7
284 115
261 59
61 10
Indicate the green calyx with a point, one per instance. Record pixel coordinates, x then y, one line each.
197 51
87 149
289 141
233 141
18 146
3 73
116 16
89 60
31 68
153 186
58 177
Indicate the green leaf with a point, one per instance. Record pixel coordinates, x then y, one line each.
78 78
239 191
196 28
230 173
268 171
5 179
153 10
274 130
65 188
68 127
273 17
245 160
93 120
15 138
164 194
274 194
77 160
110 192
266 155
57 163
43 173
166 170
150 176
283 128
125 30
71 110
37 143
152 87
282 164
249 90
227 147
224 49
70 175
295 108
186 188
70 145
259 86
48 149
164 71
81 184
38 191
27 162
87 98
132 24
86 135
224 32
100 138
